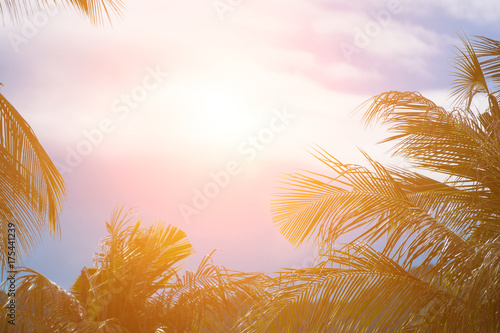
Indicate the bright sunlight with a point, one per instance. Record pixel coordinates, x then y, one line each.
217 106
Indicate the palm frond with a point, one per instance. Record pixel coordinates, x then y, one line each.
132 265
371 294
488 52
457 144
469 76
42 305
211 299
438 267
99 11
370 202
31 188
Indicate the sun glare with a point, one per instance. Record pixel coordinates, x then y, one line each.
218 111
218 107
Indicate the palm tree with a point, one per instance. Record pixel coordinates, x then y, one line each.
31 188
134 287
424 255
97 11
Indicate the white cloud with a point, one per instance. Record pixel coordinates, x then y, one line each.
478 11
341 71
338 21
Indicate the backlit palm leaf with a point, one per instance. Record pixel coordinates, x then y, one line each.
31 188
99 11
134 287
211 299
438 267
133 265
366 292
42 306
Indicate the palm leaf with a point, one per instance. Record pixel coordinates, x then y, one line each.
31 188
211 299
43 305
99 11
437 270
132 266
373 294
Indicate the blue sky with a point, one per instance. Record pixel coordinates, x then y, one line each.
218 98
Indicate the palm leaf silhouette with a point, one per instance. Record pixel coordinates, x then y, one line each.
424 254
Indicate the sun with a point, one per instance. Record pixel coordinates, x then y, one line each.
219 110
216 107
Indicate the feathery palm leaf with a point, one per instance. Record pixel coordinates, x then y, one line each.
438 267
477 72
43 306
211 299
99 11
133 265
366 292
31 188
132 288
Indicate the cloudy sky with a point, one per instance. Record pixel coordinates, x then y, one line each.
189 111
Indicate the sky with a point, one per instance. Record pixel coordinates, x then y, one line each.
190 111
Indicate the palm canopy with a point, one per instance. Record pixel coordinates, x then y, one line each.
98 11
425 254
31 188
210 299
134 263
134 287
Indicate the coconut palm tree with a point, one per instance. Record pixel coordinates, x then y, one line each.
97 11
423 255
134 287
31 188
